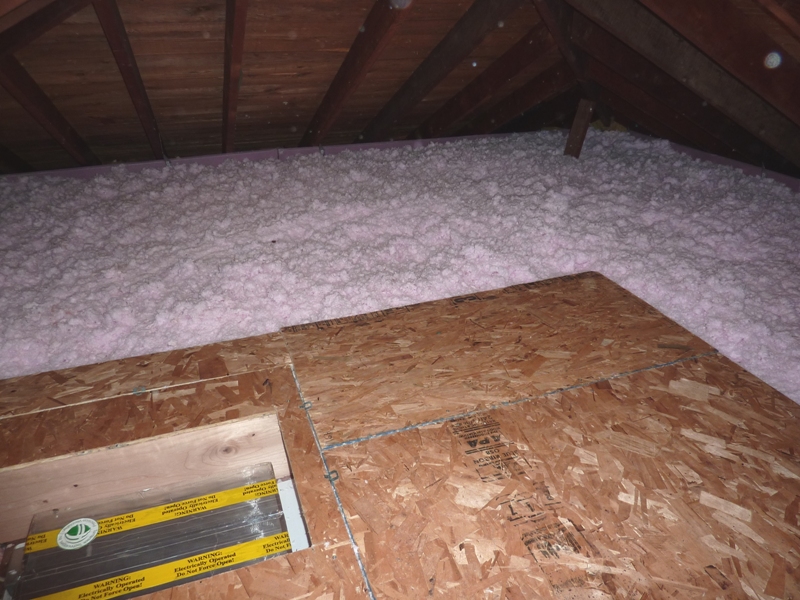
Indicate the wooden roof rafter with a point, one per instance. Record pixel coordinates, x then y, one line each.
546 85
373 37
643 31
27 92
738 143
530 47
558 111
722 32
9 161
783 16
655 107
111 21
480 19
21 86
235 21
26 31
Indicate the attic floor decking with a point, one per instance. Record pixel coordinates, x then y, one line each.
558 440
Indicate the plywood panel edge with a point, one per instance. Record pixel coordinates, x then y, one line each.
105 473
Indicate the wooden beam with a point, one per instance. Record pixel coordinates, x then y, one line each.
621 59
23 33
372 39
7 6
552 82
111 22
557 17
15 79
22 12
720 30
580 125
556 112
180 458
783 16
531 47
235 20
631 116
11 163
480 19
655 107
649 36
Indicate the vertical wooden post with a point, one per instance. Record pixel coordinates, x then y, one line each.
579 128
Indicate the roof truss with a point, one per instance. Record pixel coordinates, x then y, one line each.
694 71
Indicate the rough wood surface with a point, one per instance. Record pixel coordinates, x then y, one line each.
139 375
681 481
91 477
580 125
119 420
264 383
560 439
384 371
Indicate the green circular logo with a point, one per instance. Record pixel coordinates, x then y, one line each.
77 534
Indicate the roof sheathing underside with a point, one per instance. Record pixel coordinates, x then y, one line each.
693 73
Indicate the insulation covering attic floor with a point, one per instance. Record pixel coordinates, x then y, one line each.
560 439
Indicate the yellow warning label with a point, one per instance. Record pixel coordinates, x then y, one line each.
165 512
178 569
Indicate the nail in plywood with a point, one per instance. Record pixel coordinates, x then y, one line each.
103 474
139 374
379 372
619 488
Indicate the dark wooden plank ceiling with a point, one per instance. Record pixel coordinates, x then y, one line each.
109 81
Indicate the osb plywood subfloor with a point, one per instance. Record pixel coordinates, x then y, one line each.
555 440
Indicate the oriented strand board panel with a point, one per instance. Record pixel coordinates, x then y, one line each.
554 440
88 425
674 482
139 374
328 569
384 371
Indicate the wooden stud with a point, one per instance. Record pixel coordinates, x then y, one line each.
580 125
23 33
372 39
534 44
235 20
649 36
721 31
17 82
552 82
111 21
176 458
480 19
11 163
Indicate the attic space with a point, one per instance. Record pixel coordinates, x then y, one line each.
120 81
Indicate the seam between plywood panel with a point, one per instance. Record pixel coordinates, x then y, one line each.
331 476
449 418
